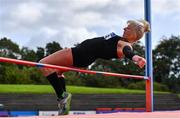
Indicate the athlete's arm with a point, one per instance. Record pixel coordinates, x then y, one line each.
128 52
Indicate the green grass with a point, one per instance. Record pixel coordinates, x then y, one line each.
72 89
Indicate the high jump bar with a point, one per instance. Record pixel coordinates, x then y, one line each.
63 68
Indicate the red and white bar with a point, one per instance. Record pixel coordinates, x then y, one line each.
63 68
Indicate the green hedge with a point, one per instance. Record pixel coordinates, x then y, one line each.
141 85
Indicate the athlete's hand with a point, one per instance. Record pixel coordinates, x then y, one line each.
140 61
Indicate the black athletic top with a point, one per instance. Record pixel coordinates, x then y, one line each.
91 49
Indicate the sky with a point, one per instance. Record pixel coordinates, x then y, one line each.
34 23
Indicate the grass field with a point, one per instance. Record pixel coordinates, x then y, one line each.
72 89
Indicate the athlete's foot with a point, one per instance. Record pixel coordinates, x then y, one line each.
64 104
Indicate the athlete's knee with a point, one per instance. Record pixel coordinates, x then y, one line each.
45 71
43 61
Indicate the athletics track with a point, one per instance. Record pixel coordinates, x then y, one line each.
119 115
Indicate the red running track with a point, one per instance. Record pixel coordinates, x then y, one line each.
119 115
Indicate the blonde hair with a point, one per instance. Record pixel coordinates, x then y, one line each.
139 24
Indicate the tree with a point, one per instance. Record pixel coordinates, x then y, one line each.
9 48
167 62
28 54
52 47
40 53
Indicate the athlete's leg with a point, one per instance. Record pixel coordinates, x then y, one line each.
61 58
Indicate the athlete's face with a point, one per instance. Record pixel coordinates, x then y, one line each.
130 33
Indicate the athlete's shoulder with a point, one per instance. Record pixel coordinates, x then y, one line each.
110 35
